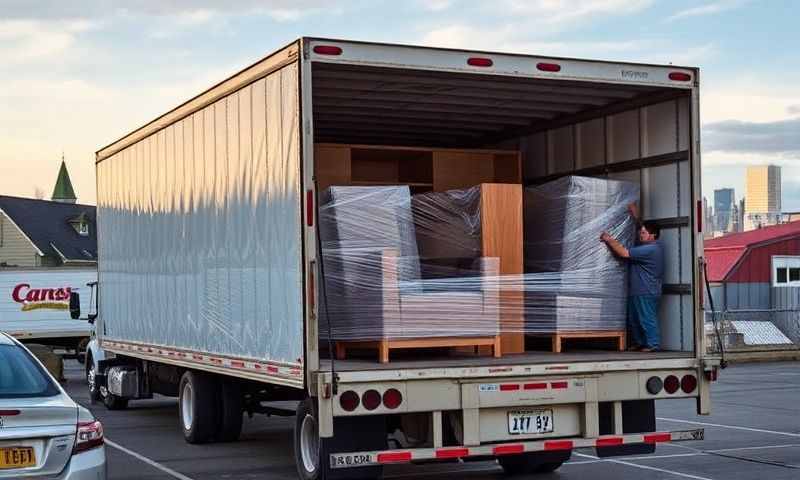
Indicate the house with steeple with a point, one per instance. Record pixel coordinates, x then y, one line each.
63 191
48 233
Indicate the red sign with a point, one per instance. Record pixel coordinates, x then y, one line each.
35 298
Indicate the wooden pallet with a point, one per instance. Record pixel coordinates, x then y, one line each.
385 345
557 337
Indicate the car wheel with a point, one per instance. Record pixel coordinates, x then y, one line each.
91 380
198 402
231 412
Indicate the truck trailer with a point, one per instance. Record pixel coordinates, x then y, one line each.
210 272
34 305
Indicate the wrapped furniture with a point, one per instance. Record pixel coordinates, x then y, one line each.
375 293
575 286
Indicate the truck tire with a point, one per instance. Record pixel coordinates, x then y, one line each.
311 452
532 463
231 411
198 407
91 379
113 402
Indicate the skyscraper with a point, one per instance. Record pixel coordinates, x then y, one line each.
724 200
763 194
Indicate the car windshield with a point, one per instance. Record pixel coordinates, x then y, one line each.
21 376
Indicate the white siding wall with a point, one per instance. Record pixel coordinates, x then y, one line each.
15 249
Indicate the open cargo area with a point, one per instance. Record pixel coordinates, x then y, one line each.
496 167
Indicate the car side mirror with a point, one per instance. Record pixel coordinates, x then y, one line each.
74 305
92 317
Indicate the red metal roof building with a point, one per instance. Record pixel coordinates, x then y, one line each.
747 257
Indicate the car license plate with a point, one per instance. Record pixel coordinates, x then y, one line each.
530 421
17 457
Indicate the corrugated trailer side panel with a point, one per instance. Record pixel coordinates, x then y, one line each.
200 244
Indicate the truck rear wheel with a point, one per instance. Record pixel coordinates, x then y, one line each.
530 463
311 453
198 402
231 412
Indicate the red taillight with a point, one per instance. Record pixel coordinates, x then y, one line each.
392 398
371 399
671 384
327 50
89 436
688 383
548 67
679 76
9 413
480 62
509 387
310 208
349 401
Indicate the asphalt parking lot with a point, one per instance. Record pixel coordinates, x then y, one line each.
753 433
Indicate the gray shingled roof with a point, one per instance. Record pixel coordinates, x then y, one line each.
47 225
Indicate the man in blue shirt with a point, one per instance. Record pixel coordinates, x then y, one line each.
646 261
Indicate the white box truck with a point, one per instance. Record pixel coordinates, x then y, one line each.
209 264
34 305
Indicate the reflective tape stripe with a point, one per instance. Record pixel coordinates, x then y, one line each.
609 441
394 457
452 453
657 437
508 449
558 445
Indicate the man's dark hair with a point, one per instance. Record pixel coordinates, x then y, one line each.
653 228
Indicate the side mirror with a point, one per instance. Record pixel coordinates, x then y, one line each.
74 305
92 317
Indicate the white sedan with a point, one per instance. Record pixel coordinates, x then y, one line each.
43 432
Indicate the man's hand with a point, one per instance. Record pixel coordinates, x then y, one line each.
614 245
634 211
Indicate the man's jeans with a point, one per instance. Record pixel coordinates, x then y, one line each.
643 320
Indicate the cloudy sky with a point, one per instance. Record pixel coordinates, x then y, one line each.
76 75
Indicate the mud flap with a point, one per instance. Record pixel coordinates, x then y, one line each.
638 416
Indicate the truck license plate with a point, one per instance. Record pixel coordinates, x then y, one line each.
344 460
530 421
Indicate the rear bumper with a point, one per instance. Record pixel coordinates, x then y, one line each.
89 465
364 459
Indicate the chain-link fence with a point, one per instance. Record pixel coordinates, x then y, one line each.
753 330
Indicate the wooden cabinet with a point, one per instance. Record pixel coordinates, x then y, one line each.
422 169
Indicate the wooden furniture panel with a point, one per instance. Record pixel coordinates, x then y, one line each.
501 237
557 338
423 169
454 170
508 168
384 346
332 164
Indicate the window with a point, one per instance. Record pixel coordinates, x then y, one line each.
21 376
786 271
780 275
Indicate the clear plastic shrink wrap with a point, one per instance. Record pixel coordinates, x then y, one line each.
402 266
